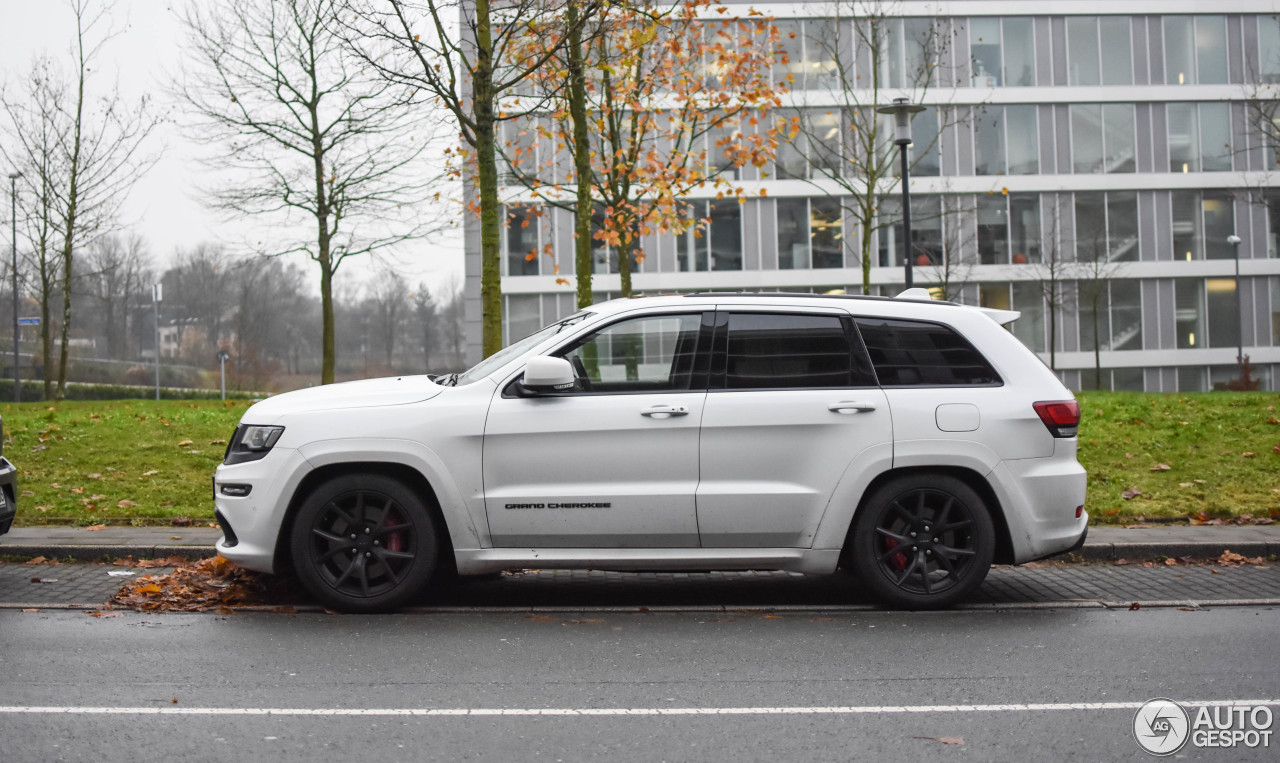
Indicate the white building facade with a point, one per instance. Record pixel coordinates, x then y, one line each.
1121 133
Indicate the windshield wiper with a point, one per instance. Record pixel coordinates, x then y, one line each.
446 380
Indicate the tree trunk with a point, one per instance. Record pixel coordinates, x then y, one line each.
624 264
581 157
487 169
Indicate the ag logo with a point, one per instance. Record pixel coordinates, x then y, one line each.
1161 726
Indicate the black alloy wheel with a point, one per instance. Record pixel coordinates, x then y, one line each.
363 543
923 542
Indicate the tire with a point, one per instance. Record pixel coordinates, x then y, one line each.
945 562
363 543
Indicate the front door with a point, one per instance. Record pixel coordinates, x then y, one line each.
612 464
793 402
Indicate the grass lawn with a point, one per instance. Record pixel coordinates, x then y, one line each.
117 462
148 462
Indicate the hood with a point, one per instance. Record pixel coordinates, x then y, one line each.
367 393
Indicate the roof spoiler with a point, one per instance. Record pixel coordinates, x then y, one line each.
999 316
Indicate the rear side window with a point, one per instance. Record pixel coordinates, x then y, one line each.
779 351
919 354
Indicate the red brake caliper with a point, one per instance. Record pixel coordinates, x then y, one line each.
899 560
395 540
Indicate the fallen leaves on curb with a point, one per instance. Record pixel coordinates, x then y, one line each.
105 614
1232 559
95 528
215 583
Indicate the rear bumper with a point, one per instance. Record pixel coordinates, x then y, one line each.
8 494
1040 497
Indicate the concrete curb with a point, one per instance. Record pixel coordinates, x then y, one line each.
1141 551
87 553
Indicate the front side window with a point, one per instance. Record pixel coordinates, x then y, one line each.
772 351
919 354
654 353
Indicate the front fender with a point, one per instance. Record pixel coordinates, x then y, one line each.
460 515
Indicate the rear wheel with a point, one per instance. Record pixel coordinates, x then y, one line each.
363 543
922 542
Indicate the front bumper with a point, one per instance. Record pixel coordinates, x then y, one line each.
251 523
8 494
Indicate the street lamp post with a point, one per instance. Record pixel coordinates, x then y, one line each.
902 111
17 375
156 295
1234 240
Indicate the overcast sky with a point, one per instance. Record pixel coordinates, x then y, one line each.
165 206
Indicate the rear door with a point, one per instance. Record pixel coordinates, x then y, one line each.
792 402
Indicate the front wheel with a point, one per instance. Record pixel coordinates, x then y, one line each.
363 543
922 542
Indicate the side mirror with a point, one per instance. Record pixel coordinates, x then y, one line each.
544 374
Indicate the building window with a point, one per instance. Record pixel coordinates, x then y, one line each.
1201 224
1111 311
1269 49
522 241
1199 137
1099 50
1188 302
909 51
809 144
1275 310
1191 379
1102 138
1003 52
926 231
1223 310
1195 50
524 316
1008 229
715 241
807 54
1106 226
926 147
810 233
1272 200
1006 141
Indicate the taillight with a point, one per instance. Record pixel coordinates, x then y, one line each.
1062 417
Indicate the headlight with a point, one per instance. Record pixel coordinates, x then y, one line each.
251 443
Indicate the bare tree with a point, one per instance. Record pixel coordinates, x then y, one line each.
469 57
426 316
869 53
317 140
198 294
119 270
1054 273
103 155
390 299
35 126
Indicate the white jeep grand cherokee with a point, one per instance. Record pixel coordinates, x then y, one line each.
908 441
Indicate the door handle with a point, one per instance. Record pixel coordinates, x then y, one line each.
851 406
665 411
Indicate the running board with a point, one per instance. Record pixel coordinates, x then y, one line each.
489 560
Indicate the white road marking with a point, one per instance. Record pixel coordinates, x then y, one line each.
615 711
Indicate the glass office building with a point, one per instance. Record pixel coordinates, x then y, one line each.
1091 162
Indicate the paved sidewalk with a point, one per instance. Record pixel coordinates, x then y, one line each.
1105 543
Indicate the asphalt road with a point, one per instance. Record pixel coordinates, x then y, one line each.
839 686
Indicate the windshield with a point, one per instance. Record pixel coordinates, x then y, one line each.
513 351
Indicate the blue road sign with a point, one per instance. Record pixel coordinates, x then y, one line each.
28 321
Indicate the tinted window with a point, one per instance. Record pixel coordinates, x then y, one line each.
650 354
788 351
911 353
